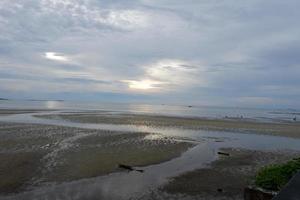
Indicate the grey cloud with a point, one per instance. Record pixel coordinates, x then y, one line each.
235 49
84 80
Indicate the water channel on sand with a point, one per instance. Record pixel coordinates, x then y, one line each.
123 185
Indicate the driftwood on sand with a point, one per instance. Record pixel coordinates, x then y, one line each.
129 168
223 153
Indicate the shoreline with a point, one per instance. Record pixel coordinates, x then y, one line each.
82 159
230 125
7 111
240 168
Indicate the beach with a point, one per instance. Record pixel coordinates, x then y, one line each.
226 177
41 153
149 100
71 155
289 129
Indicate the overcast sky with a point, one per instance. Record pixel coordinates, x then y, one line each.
202 52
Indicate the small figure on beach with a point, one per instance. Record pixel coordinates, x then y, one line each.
295 119
129 168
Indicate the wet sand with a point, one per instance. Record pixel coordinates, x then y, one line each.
287 129
76 161
226 177
33 154
20 111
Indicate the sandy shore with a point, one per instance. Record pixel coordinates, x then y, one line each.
33 154
20 111
226 177
232 125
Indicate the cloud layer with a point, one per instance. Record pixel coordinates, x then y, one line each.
235 53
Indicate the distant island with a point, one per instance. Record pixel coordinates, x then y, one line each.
4 99
43 100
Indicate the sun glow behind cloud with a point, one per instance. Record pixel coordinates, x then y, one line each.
142 84
56 56
163 75
87 45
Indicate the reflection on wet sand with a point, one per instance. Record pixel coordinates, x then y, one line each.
283 128
75 158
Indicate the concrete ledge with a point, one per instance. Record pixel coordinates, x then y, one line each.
252 193
291 191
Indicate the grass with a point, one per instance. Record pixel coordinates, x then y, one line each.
274 177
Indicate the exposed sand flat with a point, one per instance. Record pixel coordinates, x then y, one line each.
229 174
20 111
291 129
32 154
78 153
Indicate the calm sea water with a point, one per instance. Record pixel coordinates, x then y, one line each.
152 109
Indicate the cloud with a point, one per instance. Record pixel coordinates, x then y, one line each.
177 73
143 84
213 51
255 100
92 15
56 56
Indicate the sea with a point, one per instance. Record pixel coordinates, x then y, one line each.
214 112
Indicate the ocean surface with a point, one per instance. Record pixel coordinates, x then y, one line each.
274 115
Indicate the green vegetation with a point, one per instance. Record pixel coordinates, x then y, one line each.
274 177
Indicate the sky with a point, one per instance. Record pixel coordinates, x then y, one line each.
199 52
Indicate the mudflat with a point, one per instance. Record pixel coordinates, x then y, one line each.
34 154
287 129
227 177
20 111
